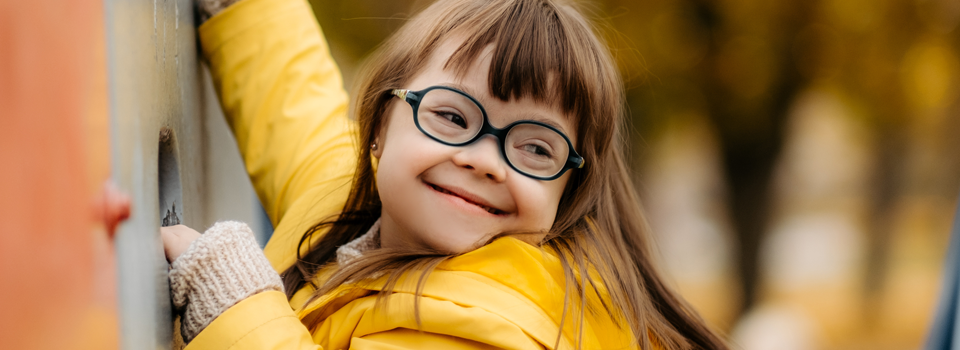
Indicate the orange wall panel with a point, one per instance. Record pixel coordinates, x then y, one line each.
56 260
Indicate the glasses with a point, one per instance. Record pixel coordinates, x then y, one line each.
454 118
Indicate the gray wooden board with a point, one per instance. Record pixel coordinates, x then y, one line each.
156 80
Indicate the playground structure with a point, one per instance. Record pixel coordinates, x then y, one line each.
105 92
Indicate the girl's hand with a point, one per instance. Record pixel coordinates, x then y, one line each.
176 240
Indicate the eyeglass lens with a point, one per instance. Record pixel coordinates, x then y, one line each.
454 118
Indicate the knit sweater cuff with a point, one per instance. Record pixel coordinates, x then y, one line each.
219 269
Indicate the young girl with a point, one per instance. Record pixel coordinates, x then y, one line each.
488 204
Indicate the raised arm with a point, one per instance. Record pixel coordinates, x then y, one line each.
283 97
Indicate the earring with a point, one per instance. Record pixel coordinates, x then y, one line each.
373 146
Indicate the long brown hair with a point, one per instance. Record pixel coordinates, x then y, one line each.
600 226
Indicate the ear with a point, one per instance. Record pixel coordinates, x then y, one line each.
380 131
376 148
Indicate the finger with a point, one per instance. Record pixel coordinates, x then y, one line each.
176 240
169 237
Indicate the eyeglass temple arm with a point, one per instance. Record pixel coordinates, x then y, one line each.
403 94
578 160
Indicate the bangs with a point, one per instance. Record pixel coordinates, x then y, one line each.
534 55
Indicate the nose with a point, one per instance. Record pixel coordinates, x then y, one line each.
483 158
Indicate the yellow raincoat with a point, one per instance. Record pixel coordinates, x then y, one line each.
283 97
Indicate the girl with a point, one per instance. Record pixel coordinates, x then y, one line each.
488 205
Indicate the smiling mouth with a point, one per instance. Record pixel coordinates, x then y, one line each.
490 210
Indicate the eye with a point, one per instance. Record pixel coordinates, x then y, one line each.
452 117
539 151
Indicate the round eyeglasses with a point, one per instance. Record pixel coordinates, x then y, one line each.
454 118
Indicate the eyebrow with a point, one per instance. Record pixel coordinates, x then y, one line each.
530 116
545 120
475 94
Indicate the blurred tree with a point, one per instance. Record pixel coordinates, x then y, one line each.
750 78
735 63
744 63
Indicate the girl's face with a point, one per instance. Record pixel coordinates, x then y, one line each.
439 196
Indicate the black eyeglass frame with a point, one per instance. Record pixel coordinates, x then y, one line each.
574 160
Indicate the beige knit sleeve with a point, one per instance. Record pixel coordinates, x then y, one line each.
219 269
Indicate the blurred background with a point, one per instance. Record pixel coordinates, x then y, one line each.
799 160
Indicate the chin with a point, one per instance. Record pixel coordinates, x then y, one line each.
456 245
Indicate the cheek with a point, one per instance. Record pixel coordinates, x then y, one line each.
391 165
404 151
537 201
393 115
395 163
394 139
404 155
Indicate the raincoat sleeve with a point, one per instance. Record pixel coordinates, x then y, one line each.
261 322
283 97
265 322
